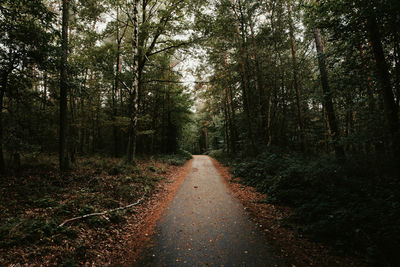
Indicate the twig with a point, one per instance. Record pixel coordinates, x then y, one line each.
102 213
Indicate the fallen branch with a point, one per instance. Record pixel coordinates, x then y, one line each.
101 213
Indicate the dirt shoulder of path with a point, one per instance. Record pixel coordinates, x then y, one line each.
138 232
295 250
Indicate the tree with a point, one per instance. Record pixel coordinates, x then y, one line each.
134 92
25 42
296 82
327 96
390 106
63 149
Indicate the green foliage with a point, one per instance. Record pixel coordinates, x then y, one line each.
219 155
17 231
45 202
70 263
175 159
352 207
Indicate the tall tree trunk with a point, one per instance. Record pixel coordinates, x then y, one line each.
296 79
63 151
134 92
243 74
229 113
2 92
72 144
327 97
45 84
390 107
115 89
259 85
226 128
397 68
371 101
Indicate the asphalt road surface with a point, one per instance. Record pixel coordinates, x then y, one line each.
205 225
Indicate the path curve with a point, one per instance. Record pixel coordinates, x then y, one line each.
204 225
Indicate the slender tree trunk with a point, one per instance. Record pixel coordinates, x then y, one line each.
268 124
134 92
226 127
72 129
390 107
63 150
243 74
233 121
230 116
2 91
397 68
44 99
371 101
115 90
259 85
296 80
327 97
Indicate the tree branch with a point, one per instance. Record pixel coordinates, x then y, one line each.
168 48
101 213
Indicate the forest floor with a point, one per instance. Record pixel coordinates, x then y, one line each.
293 248
36 200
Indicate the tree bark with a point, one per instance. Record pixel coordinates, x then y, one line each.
296 80
327 97
243 74
115 89
390 107
230 113
63 151
134 92
2 92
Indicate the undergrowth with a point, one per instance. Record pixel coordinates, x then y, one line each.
354 208
36 199
176 159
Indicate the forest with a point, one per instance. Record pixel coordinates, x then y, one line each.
101 99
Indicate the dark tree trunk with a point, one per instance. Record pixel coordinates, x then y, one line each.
230 114
327 97
115 90
2 91
397 68
390 107
296 80
63 151
134 92
244 80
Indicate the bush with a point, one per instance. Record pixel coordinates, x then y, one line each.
219 155
354 207
177 159
18 231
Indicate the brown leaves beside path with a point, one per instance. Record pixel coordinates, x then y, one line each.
137 233
295 250
117 244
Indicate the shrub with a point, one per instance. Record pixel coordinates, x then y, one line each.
175 159
353 207
18 231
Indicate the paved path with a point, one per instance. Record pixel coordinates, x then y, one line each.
205 226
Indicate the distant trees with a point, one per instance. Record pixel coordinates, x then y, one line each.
270 84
